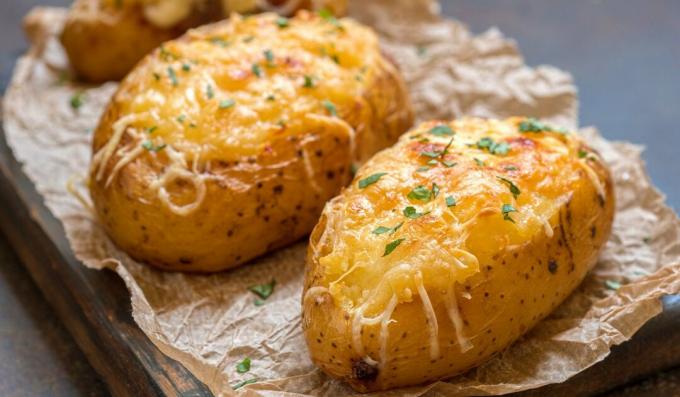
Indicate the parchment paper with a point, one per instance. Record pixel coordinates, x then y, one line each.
209 323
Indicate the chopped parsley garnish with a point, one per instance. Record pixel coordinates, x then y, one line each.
479 162
534 125
156 76
513 188
449 164
151 129
77 100
506 209
309 81
282 22
209 92
263 290
438 153
257 71
391 246
243 366
582 154
441 130
271 97
423 168
613 285
148 145
369 180
450 201
226 103
412 213
329 17
186 67
172 76
181 118
510 168
435 190
269 56
499 148
243 383
420 193
330 107
385 229
165 54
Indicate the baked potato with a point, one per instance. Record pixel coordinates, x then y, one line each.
449 246
225 143
104 39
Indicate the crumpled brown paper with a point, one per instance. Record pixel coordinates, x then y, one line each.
210 322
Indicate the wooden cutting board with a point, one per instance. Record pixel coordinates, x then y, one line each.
95 307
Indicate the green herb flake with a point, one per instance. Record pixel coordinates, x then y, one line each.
435 190
484 143
243 366
165 54
263 290
506 209
282 22
269 56
441 130
513 188
257 71
181 118
421 50
172 76
248 38
209 92
243 383
309 81
226 103
431 154
420 193
327 15
384 229
479 162
612 284
450 201
500 148
449 164
533 125
422 169
647 240
151 129
148 145
371 180
330 107
582 154
270 97
412 213
156 76
392 246
510 168
77 100
186 67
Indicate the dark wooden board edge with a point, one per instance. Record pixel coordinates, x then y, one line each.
95 307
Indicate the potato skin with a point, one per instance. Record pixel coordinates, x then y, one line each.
522 270
104 39
259 156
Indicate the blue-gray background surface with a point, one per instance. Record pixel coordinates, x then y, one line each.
623 54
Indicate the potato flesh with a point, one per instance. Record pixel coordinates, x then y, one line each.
500 277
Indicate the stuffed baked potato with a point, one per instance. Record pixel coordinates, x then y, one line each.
449 246
104 39
226 143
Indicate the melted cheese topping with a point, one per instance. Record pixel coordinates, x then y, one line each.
233 87
506 186
228 90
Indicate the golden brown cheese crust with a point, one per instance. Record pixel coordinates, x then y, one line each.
225 144
104 39
506 219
